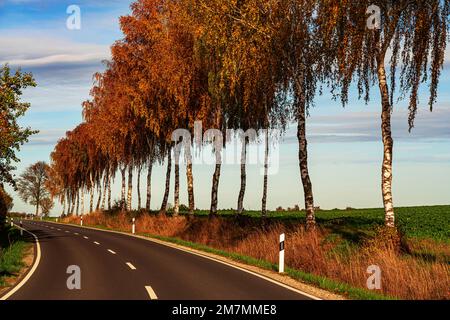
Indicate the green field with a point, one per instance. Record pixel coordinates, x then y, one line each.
414 222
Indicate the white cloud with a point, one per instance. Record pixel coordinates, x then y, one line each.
56 59
35 50
364 126
47 137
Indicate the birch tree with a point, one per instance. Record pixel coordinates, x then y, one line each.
381 42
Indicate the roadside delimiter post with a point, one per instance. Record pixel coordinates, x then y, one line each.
281 259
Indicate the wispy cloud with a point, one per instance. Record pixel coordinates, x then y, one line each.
47 137
365 126
25 51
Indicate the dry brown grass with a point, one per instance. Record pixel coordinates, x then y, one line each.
403 275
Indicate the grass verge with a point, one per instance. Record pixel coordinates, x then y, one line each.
12 252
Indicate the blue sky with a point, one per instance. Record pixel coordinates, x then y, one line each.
345 148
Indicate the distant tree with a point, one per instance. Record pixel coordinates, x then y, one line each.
46 205
12 135
32 184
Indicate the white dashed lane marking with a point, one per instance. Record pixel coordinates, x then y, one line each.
131 266
151 293
149 289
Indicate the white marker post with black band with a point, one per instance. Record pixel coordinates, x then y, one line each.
281 259
133 227
81 221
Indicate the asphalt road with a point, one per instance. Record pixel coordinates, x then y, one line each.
116 266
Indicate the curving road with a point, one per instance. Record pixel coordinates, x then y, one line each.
117 266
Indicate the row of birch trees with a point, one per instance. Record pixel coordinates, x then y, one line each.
241 64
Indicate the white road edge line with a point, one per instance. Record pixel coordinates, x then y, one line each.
96 243
85 237
151 293
167 244
129 264
32 270
111 251
76 233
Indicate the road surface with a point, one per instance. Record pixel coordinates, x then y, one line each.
117 266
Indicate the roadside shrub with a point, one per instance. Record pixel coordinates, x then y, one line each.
6 204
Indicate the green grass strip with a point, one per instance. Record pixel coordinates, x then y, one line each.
11 254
